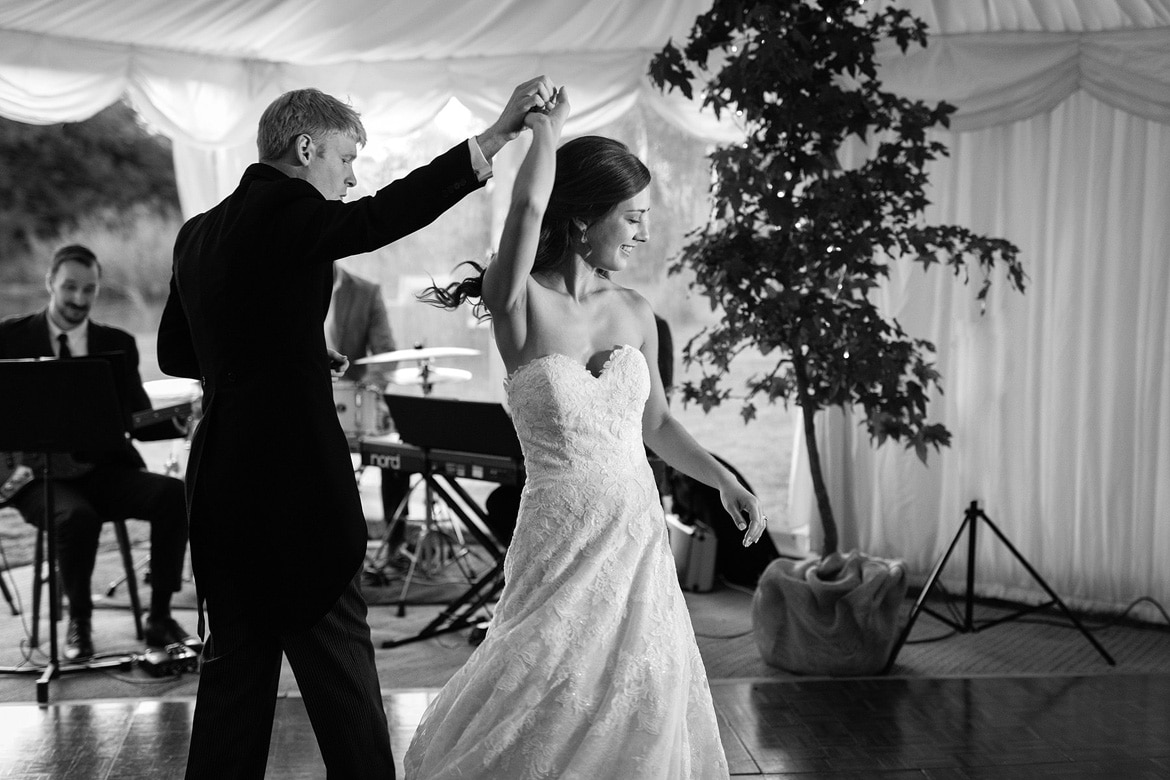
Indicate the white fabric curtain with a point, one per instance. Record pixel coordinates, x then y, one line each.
1058 399
601 86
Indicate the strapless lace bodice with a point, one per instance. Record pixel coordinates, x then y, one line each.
590 668
570 422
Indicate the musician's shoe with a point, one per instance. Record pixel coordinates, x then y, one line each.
161 632
399 560
78 640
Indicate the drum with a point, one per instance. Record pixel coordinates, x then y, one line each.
171 392
360 409
164 393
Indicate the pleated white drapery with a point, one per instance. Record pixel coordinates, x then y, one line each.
1059 399
995 78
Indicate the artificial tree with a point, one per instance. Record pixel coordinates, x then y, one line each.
797 241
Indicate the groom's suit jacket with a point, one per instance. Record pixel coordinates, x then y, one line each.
276 524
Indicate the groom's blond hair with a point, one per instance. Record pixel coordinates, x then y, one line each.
305 112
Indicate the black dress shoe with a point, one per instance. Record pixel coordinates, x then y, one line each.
78 640
161 632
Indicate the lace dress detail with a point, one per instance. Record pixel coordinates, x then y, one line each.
590 668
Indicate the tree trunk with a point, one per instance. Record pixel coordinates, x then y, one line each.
808 415
824 508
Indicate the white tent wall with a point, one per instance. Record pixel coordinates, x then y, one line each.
1059 399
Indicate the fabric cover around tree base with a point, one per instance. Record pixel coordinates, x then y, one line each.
843 626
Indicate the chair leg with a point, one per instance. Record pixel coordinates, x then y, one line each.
124 548
38 561
131 577
4 589
8 594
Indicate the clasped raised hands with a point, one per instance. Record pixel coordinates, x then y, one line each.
554 110
535 93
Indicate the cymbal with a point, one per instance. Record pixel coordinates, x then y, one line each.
422 353
436 375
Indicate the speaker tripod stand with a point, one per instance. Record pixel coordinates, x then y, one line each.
971 519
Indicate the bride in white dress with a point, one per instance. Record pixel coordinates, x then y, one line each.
589 668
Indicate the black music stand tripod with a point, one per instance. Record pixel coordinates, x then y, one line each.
971 518
58 407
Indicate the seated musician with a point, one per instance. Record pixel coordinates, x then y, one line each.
357 325
110 485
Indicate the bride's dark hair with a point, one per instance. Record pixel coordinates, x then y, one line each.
594 174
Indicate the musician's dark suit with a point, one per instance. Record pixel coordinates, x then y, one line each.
118 486
360 324
277 530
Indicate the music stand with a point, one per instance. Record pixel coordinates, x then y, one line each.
447 424
57 407
971 518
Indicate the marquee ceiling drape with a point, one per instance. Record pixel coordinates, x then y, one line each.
1060 398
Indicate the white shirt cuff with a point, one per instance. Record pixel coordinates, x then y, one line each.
483 168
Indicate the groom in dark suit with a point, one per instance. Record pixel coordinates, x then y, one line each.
277 560
114 485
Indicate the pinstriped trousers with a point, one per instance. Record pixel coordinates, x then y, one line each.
334 665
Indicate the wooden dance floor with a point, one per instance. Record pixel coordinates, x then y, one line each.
1007 728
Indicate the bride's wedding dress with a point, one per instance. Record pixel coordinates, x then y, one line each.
589 669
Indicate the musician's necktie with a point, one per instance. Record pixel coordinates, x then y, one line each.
64 351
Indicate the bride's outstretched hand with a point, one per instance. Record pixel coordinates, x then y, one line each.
744 509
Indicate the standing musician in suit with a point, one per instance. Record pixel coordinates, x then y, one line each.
110 485
357 325
277 561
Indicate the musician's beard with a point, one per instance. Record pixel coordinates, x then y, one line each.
74 315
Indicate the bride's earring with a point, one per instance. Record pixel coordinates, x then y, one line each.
585 249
